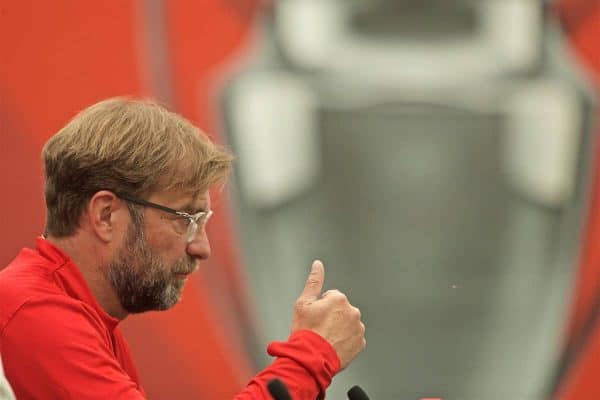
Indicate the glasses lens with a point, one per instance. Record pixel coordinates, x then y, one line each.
181 225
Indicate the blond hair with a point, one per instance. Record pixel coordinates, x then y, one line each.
128 146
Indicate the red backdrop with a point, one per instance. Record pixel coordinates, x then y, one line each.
58 57
581 22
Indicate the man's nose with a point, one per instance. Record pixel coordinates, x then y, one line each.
199 246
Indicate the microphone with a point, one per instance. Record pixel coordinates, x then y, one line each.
278 390
356 393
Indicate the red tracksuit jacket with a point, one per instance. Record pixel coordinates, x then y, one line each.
58 343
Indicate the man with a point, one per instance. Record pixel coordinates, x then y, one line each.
127 203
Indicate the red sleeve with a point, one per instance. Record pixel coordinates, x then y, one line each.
306 363
57 349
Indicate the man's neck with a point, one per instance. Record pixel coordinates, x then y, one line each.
93 264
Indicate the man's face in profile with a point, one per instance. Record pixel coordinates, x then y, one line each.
149 269
142 280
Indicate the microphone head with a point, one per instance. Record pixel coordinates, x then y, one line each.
278 390
356 393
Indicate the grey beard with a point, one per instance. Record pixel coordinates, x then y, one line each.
140 278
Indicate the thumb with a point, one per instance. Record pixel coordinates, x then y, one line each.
314 283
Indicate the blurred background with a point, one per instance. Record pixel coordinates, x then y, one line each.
439 156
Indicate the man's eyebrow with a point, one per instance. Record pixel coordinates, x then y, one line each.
191 209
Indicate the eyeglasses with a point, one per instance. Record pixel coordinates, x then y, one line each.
192 221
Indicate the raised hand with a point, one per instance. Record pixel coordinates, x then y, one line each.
330 315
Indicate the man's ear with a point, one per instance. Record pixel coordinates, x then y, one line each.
105 215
